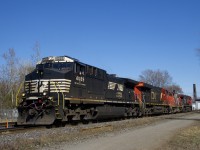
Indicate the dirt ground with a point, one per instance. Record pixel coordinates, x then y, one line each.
144 138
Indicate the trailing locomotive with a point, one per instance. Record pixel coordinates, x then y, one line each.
63 89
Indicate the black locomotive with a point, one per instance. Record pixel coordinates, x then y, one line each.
62 89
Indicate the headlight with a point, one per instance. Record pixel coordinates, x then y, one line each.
23 94
44 93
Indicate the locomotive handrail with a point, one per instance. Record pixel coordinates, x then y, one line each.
57 93
63 100
63 97
18 93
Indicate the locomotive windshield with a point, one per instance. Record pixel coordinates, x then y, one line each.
61 63
62 66
57 65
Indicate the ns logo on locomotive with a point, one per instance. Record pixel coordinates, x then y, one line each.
63 89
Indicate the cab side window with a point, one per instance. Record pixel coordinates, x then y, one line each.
89 70
95 72
79 68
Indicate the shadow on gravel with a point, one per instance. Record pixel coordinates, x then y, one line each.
194 119
184 118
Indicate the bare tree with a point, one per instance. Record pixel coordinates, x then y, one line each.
9 78
174 87
160 79
36 55
156 78
12 75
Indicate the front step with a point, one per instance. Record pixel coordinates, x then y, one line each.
57 114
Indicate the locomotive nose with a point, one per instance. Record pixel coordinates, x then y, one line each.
39 67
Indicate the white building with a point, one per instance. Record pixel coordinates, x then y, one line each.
196 105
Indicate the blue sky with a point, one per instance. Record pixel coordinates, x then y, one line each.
123 37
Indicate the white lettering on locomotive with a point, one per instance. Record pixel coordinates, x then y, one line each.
80 79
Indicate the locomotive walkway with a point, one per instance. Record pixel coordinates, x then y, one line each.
144 138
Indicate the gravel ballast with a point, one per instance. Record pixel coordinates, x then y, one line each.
72 134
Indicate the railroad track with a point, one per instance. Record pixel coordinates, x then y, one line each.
15 129
12 130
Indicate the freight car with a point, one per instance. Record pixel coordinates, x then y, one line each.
63 89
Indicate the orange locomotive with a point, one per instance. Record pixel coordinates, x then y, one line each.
185 102
155 100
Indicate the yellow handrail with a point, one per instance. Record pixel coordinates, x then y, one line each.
57 93
18 93
63 97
